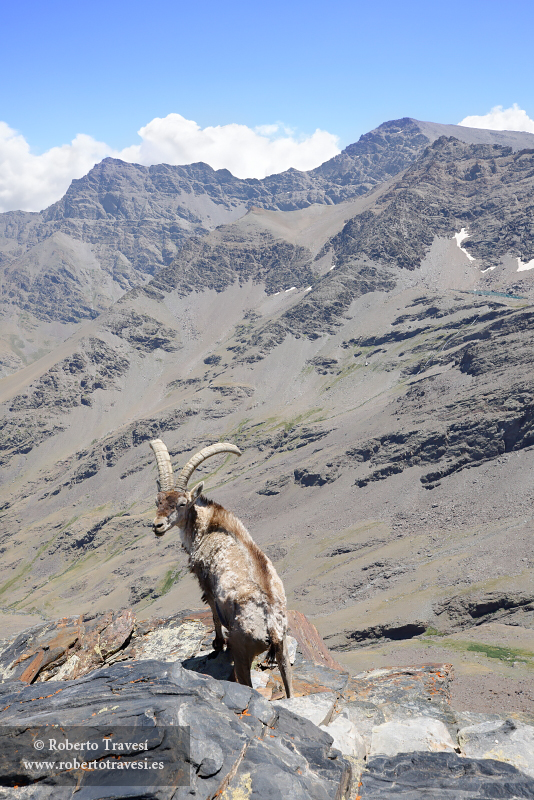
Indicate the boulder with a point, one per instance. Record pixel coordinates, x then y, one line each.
418 733
237 738
504 740
441 776
317 707
346 737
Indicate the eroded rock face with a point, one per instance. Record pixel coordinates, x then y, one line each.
442 775
235 736
71 382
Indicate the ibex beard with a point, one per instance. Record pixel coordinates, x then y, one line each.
238 581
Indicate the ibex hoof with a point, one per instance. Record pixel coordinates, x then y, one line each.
218 644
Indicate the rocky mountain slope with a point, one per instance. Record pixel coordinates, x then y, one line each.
370 353
121 223
110 680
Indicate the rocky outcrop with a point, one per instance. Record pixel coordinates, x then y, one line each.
52 296
515 608
451 186
110 449
21 436
231 255
71 382
142 332
340 736
236 738
452 429
441 775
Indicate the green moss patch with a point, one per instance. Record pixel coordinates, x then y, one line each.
506 654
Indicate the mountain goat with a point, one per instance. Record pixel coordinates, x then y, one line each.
238 581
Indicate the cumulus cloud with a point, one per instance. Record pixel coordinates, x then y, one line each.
31 182
502 119
246 152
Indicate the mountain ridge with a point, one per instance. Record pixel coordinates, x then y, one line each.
371 358
133 220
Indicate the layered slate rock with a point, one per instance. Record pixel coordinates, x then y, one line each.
377 734
446 776
75 646
237 738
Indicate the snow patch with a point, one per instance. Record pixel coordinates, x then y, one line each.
522 267
488 269
331 268
460 237
290 290
308 289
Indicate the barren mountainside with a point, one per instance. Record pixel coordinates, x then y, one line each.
363 332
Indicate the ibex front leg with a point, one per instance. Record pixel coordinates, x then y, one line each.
219 641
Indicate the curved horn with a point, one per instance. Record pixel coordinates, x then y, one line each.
163 460
206 452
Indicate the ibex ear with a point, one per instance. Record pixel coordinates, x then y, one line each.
197 491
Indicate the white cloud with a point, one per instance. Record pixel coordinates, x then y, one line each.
502 119
31 182
247 153
267 130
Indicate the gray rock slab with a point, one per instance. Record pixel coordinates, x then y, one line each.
315 707
236 697
365 716
219 665
442 776
237 738
502 740
288 766
421 707
417 733
172 643
346 737
313 743
319 675
428 683
467 718
259 707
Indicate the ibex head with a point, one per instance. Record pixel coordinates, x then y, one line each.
174 500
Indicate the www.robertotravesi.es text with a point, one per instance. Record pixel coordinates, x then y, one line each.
108 763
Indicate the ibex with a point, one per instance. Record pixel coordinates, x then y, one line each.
238 581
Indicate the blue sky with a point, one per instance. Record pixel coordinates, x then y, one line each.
107 69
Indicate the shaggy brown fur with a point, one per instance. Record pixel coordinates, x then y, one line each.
237 580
